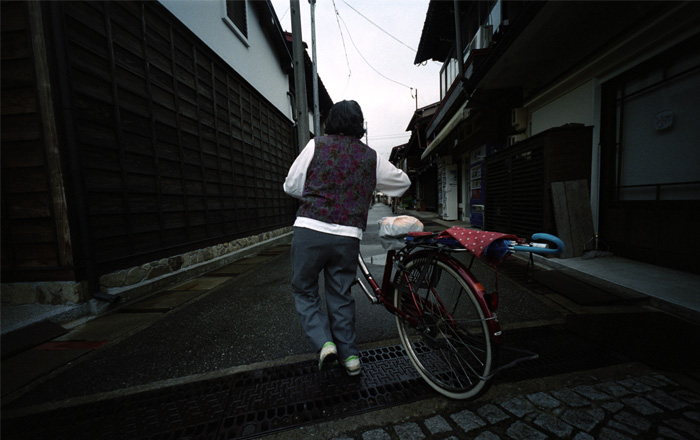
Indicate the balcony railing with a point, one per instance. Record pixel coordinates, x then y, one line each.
482 39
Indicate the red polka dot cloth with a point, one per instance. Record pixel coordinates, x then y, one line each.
477 242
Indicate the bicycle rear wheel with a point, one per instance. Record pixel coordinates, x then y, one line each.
448 339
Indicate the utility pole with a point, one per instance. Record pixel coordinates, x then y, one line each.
302 108
317 116
458 42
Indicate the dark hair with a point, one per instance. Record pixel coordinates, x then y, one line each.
345 118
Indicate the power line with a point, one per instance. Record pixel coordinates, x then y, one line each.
389 136
284 15
347 61
365 59
378 27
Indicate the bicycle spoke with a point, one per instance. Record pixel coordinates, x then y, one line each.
453 351
459 358
456 351
458 377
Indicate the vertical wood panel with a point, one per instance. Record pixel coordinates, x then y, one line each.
35 229
46 106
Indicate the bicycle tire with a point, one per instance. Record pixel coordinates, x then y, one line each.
452 351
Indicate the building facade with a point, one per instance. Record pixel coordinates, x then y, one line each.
140 140
574 118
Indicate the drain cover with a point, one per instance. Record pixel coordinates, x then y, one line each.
281 397
255 403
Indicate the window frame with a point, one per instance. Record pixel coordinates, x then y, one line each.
242 34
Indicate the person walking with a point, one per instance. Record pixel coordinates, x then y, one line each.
334 177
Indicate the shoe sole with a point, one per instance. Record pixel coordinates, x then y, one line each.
354 372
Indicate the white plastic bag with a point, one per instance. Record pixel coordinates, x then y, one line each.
399 226
393 229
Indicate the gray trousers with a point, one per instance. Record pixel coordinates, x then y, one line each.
335 255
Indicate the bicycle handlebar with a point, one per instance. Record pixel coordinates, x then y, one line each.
542 250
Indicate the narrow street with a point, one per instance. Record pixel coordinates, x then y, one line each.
245 320
153 153
231 361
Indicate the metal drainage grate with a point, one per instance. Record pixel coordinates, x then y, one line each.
282 397
255 403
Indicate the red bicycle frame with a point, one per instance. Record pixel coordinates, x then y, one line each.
381 294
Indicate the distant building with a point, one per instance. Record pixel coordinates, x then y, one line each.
423 174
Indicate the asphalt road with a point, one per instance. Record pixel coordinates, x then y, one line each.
247 321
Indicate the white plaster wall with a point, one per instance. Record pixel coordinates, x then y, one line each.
575 106
254 59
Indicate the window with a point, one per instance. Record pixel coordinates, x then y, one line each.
656 155
237 18
448 74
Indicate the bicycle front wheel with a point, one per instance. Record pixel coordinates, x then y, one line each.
445 333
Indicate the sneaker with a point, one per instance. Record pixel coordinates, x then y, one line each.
328 356
352 365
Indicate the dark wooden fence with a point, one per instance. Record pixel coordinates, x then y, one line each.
164 147
518 195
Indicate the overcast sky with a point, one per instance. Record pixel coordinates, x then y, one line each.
365 52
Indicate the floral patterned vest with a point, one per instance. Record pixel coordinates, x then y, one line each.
339 182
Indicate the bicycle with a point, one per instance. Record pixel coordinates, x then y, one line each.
447 322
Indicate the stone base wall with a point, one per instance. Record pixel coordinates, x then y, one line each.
146 278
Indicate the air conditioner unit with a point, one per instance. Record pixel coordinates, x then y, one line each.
516 138
518 119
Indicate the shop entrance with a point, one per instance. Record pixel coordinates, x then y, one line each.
650 144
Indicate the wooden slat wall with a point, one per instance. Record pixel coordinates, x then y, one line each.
172 150
514 182
176 150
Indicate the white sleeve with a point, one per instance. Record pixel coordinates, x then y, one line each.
391 180
296 177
